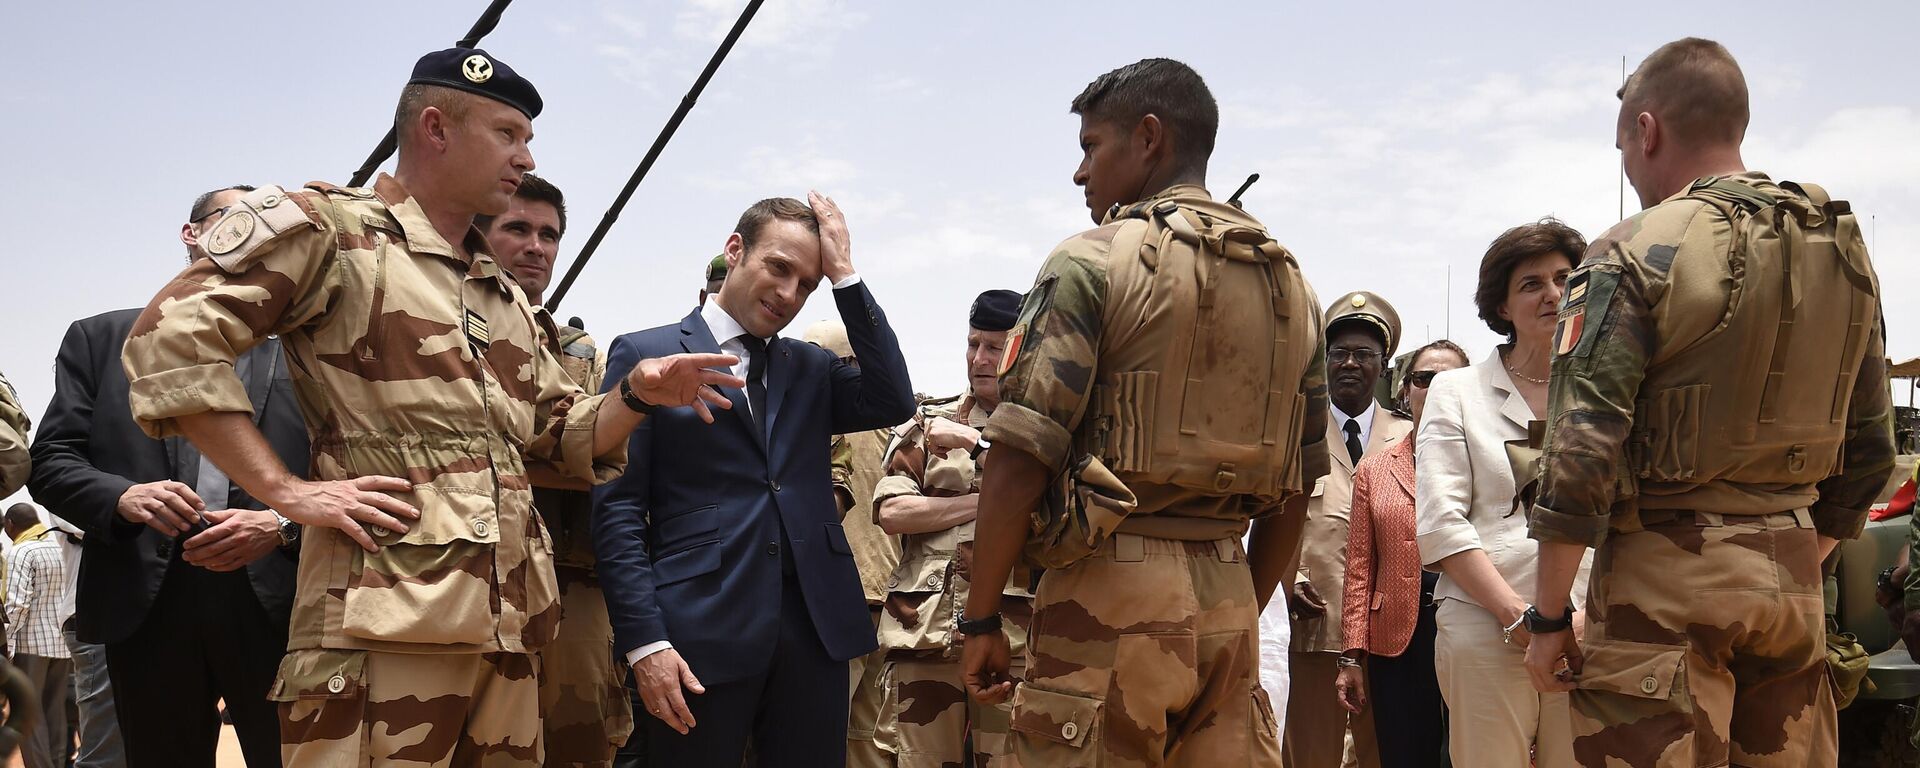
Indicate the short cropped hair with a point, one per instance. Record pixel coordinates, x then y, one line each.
754 221
203 205
1696 90
22 515
416 97
1165 88
534 189
1516 245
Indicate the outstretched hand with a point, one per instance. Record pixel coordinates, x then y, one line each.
686 379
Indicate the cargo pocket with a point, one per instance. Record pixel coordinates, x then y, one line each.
1056 729
434 583
322 695
1650 672
1673 442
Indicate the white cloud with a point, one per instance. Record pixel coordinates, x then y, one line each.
801 26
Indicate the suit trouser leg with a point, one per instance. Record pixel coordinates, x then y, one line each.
1316 723
99 728
802 717
1495 716
1404 696
164 696
247 645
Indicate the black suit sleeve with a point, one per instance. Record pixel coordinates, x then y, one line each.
877 394
64 477
620 509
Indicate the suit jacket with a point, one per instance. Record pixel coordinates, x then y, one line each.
89 451
1464 483
1381 605
1323 549
691 539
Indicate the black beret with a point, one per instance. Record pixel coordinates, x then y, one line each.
995 310
475 71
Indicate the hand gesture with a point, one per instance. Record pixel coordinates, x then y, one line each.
1554 661
685 379
348 505
983 667
1304 602
238 537
836 251
1350 688
945 434
660 676
166 506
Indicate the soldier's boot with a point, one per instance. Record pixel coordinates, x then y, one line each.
356 708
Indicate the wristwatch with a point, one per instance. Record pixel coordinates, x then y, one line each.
631 399
289 531
982 626
1541 625
980 446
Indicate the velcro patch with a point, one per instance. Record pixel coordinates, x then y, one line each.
477 331
1587 288
258 218
1567 333
1012 351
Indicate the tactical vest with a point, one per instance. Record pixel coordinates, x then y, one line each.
1802 300
1206 394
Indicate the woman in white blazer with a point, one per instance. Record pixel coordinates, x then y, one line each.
1470 527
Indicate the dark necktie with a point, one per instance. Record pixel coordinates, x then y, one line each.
756 379
1353 440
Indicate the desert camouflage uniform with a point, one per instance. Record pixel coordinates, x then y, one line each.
1144 653
413 361
584 709
1704 641
928 716
855 459
14 464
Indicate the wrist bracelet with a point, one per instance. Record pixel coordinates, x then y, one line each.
1506 635
986 625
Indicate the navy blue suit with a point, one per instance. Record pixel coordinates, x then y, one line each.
725 540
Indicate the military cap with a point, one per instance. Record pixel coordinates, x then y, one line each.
995 310
475 71
1365 307
831 336
717 269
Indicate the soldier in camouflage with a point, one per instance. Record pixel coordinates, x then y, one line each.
1167 364
716 274
929 498
426 583
583 698
1712 475
14 426
855 463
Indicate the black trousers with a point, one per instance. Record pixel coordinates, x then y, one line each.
206 639
1409 717
794 715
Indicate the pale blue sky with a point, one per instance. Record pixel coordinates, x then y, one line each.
1394 139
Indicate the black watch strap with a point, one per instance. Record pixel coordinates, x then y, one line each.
1541 625
631 399
980 446
982 626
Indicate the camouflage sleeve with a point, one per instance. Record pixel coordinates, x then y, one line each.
1047 370
565 439
1602 344
904 463
1867 455
272 271
14 463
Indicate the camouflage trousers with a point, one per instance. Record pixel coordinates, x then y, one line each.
865 699
345 709
930 716
583 695
1146 654
1705 644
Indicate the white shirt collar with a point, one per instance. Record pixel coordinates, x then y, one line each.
1365 419
723 326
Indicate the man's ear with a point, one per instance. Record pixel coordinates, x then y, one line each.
186 236
434 127
1649 139
1150 138
736 250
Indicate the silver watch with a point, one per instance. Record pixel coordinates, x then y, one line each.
289 530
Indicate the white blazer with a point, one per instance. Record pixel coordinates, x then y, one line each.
1464 497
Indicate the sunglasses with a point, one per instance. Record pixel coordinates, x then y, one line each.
1422 379
220 211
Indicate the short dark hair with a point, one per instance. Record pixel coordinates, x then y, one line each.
537 190
1165 88
416 97
754 221
1516 245
203 204
22 515
1695 88
1413 359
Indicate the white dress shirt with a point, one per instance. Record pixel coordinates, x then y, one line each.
727 331
1365 420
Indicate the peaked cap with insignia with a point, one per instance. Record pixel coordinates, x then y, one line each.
1367 307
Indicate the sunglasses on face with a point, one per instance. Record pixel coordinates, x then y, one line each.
210 214
1422 379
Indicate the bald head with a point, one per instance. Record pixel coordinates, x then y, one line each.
1694 88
